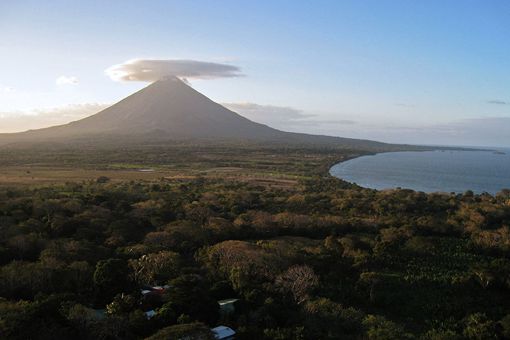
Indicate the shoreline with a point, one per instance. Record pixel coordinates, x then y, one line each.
440 149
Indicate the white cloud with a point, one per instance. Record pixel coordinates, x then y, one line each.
153 70
66 80
39 118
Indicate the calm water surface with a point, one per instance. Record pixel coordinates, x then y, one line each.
430 171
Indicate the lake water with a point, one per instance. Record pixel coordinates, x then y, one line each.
430 171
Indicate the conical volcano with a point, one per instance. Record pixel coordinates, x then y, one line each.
170 110
171 107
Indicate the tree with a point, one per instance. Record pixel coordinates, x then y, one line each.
379 328
242 263
38 319
326 319
111 277
480 327
391 239
299 281
122 304
156 268
25 247
333 246
505 325
296 333
189 331
189 295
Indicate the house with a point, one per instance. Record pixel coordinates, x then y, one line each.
223 333
154 289
152 296
227 306
150 314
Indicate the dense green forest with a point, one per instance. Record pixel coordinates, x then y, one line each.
314 259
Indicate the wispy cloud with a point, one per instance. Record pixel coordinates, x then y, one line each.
6 89
284 117
498 102
330 122
404 105
487 131
67 80
252 110
152 70
16 121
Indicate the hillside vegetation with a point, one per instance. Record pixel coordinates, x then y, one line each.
306 255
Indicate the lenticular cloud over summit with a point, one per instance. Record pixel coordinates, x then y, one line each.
152 70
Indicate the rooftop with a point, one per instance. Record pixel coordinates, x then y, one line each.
223 332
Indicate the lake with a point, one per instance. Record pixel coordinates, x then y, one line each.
430 171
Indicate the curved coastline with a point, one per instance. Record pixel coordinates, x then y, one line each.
434 172
350 158
420 148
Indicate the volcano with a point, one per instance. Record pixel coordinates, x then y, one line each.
169 110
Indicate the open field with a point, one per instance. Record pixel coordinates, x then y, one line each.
278 167
33 175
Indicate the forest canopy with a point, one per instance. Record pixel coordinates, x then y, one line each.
317 258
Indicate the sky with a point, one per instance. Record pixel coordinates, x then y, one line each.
428 72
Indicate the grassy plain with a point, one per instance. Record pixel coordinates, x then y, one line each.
278 166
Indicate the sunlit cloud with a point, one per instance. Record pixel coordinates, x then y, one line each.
149 70
16 121
66 80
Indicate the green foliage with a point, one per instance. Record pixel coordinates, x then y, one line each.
379 328
111 276
121 304
325 319
479 327
505 325
156 268
185 331
189 296
296 333
309 257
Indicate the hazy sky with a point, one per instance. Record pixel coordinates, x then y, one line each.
435 72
